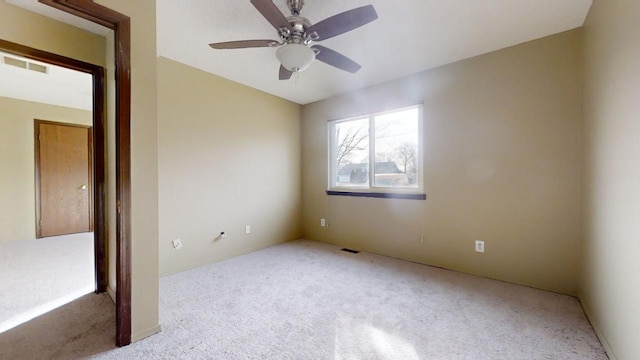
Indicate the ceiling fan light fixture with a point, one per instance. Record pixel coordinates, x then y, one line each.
295 57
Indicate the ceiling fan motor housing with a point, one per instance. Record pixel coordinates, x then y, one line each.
299 26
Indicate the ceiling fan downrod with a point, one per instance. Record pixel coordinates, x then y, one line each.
295 6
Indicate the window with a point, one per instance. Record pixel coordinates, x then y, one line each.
377 153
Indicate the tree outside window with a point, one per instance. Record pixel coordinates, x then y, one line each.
380 151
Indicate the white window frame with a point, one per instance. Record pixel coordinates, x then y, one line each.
371 187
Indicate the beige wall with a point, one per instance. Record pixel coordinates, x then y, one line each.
229 157
502 135
610 290
17 178
26 28
144 164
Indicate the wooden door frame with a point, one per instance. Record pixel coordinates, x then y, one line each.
121 26
99 188
36 134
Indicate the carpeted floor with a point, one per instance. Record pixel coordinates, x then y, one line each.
39 275
308 300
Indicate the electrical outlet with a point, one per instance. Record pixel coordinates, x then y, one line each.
177 244
480 246
323 222
247 229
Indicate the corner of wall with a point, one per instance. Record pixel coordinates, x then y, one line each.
596 327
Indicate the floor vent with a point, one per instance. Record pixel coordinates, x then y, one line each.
350 251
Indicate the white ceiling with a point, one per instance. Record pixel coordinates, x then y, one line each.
409 36
59 86
51 12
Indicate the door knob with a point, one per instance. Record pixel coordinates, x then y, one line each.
83 187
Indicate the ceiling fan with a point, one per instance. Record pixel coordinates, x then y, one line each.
295 51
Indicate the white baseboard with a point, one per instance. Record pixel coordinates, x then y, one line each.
145 333
594 324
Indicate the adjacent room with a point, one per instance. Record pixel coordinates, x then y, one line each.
355 179
46 239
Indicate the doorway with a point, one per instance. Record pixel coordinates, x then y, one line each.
121 26
63 178
98 141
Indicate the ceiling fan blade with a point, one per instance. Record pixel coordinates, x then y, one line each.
242 44
271 12
284 73
336 59
343 22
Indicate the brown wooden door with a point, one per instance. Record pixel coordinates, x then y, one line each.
63 178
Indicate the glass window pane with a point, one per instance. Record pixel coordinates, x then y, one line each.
351 153
396 149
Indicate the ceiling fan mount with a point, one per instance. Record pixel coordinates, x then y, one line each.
295 6
297 33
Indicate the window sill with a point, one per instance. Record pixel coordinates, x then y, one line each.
378 195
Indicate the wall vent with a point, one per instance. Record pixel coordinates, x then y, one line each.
38 68
15 62
23 64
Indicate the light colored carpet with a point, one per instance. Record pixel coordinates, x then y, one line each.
78 330
39 275
308 300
